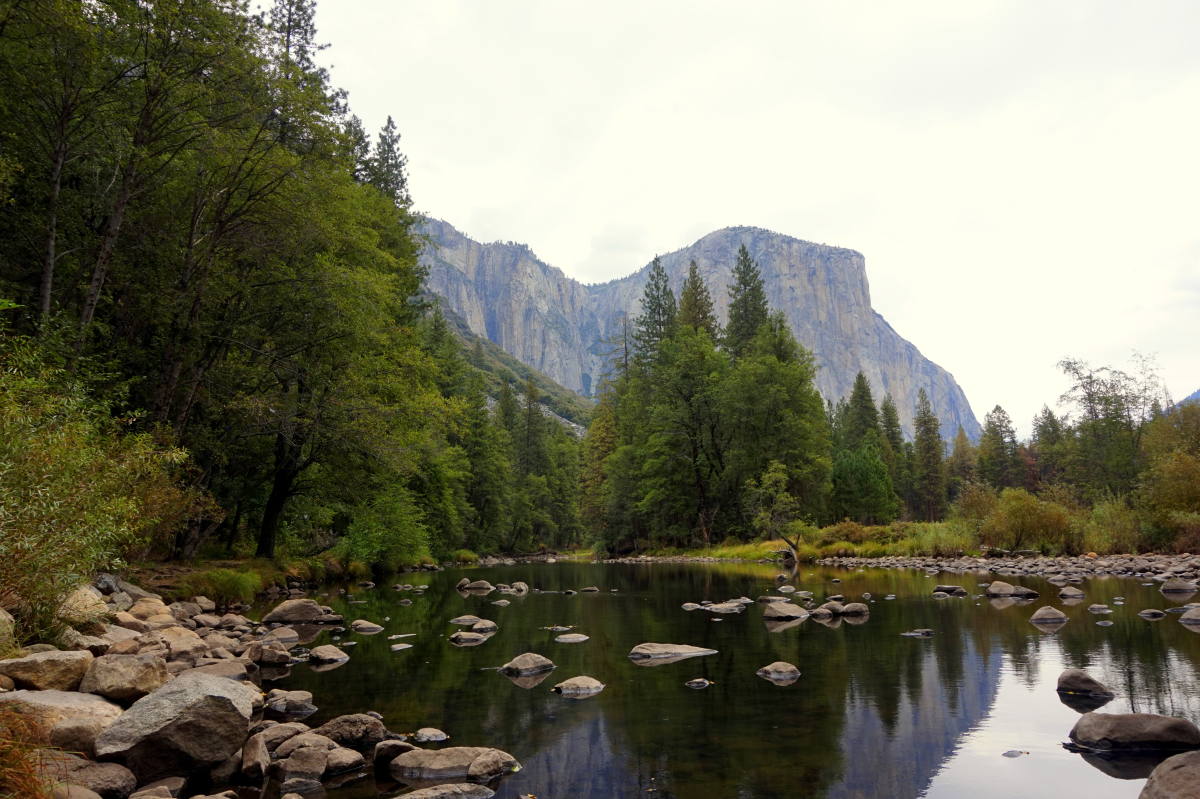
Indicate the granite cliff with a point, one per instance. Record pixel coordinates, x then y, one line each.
560 326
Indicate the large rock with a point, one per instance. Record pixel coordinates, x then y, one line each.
365 627
1192 616
84 605
1078 681
782 611
527 663
356 730
1177 777
779 672
73 720
196 721
183 644
673 652
1178 586
7 630
1129 731
61 671
1048 616
295 611
579 687
327 653
476 763
124 678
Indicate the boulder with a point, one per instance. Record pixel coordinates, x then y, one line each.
779 672
476 763
1192 616
365 627
653 651
571 638
84 605
855 609
290 704
72 720
430 735
196 721
275 736
781 611
950 590
468 638
183 644
389 750
1070 592
124 678
1130 731
7 628
1078 681
62 671
457 790
255 759
1178 586
356 731
1152 614
579 687
70 791
342 760
466 621
1177 777
148 608
527 663
305 740
303 769
520 587
107 780
484 626
999 588
482 586
1048 616
327 653
292 611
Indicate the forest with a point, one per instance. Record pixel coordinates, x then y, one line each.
214 344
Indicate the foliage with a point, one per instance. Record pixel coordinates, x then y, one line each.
1021 521
21 765
224 586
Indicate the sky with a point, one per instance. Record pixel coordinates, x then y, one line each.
1022 177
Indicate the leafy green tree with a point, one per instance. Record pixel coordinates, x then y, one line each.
929 472
862 490
747 304
696 305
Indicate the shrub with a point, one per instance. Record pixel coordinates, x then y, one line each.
845 530
1021 520
838 549
77 491
1110 527
975 503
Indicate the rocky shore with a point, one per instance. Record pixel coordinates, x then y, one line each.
151 700
1160 568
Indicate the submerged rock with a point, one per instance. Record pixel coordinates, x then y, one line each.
1048 616
651 652
458 790
698 683
779 672
365 627
571 638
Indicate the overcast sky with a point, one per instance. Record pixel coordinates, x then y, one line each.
1022 177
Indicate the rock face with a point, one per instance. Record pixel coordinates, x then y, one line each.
1128 731
196 721
557 325
1177 777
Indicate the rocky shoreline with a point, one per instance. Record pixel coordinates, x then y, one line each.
162 701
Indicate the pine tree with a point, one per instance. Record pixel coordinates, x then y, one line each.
960 467
862 417
929 472
893 448
386 167
532 454
696 305
747 304
658 319
997 462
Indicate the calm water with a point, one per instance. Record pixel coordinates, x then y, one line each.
874 714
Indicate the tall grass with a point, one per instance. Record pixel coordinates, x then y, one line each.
21 743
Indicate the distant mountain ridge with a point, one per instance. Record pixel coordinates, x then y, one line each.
1193 397
559 326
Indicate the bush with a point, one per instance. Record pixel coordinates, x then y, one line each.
224 586
843 531
1021 520
975 503
77 491
1110 527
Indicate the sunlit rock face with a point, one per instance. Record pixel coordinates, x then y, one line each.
567 329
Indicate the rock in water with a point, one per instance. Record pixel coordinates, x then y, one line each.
571 638
1078 681
292 611
1178 586
458 790
527 663
1048 616
667 652
1134 731
1177 777
779 672
365 627
192 723
781 611
698 683
327 653
579 687
430 735
473 762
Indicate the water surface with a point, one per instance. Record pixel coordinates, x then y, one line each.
874 714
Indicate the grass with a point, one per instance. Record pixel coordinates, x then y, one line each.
21 744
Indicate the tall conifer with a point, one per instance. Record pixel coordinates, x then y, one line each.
747 304
695 303
658 317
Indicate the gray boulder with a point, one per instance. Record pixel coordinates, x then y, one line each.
62 671
476 763
779 672
327 653
107 780
1135 731
299 611
124 678
458 790
855 609
1178 586
365 627
356 731
1192 616
1177 777
579 687
782 611
196 721
1048 616
674 652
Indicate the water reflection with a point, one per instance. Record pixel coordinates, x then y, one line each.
874 714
